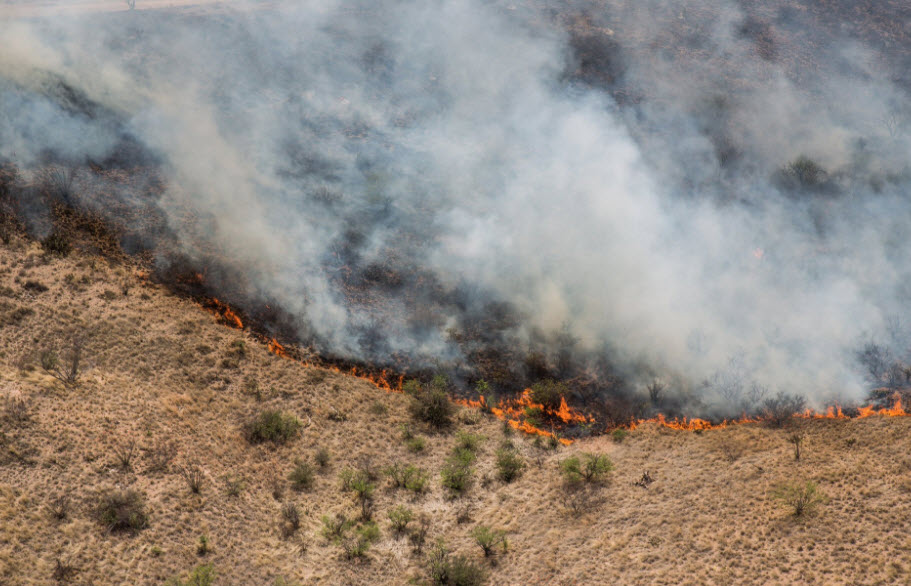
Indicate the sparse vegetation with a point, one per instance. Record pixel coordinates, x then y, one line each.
65 370
193 475
796 439
202 575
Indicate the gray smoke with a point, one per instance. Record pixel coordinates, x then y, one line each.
699 191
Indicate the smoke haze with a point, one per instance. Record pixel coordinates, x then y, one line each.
712 195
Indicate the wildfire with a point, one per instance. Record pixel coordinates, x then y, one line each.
223 311
523 413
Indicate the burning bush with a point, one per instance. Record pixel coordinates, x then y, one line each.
431 405
122 510
273 426
589 468
549 393
779 409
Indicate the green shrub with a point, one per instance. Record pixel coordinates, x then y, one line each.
588 468
469 441
446 569
803 498
399 517
322 457
549 393
534 416
431 405
203 547
357 545
509 464
416 444
488 539
409 477
619 434
335 528
301 476
273 426
122 510
457 477
203 575
361 484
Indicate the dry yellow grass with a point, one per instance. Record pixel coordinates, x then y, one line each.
156 373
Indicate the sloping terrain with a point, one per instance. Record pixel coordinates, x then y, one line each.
158 370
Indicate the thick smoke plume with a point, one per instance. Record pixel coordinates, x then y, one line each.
703 193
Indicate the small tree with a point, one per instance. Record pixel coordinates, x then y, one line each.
272 426
803 498
301 476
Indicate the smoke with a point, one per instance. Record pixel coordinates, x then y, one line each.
698 193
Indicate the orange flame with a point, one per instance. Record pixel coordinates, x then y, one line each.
223 311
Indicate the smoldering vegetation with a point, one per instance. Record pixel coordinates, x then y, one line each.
710 199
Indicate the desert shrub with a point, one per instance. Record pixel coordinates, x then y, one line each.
202 546
399 517
468 441
65 369
34 286
290 519
416 444
457 476
360 482
408 476
488 539
796 439
803 498
64 571
509 464
234 485
619 434
193 476
122 510
56 243
431 405
803 172
418 534
272 426
587 467
301 476
335 528
378 408
444 568
124 453
160 456
549 393
16 409
580 499
322 457
781 408
202 575
356 546
60 507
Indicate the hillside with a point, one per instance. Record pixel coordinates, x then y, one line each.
157 370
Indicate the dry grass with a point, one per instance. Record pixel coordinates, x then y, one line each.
154 375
